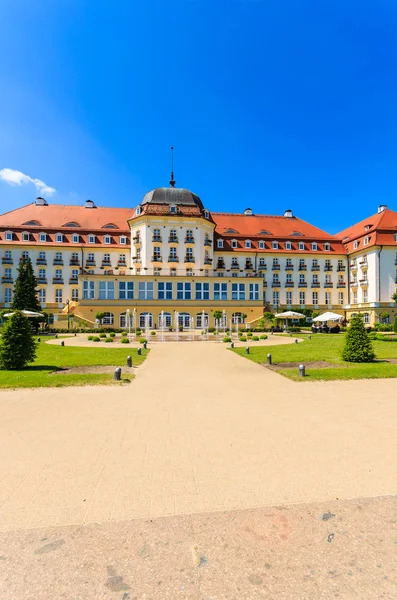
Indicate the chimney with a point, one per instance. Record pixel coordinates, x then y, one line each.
248 211
40 202
89 204
288 213
382 207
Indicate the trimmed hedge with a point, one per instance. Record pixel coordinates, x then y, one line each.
125 340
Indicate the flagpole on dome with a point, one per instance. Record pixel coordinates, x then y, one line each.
172 180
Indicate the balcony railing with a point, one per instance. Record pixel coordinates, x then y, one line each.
302 284
341 268
328 284
275 267
315 267
262 267
315 284
302 268
172 239
289 284
157 259
74 262
354 283
328 268
208 261
189 259
249 266
235 266
220 265
276 283
364 281
156 238
189 240
73 280
363 262
207 242
57 261
136 239
6 261
173 259
41 280
264 283
6 279
58 280
289 267
136 259
165 272
90 263
121 263
353 266
341 284
41 261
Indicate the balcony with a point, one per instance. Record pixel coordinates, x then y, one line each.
58 280
276 284
289 284
208 261
315 267
41 280
106 263
121 263
363 281
353 266
172 239
328 268
156 238
136 259
328 284
363 261
275 267
302 284
189 240
207 242
73 280
354 283
57 261
189 259
341 268
41 261
262 267
173 259
220 265
341 284
6 279
264 283
74 263
6 261
90 263
137 240
249 266
289 267
157 259
302 268
315 284
235 267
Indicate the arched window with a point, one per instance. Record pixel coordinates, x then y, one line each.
145 320
108 318
202 320
237 317
184 319
167 320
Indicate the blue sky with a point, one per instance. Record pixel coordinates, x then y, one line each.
271 105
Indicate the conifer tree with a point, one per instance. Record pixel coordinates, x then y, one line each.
17 345
358 346
25 293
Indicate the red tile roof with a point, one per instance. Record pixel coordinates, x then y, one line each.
380 228
251 226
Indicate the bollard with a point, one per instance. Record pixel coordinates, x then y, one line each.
56 336
139 351
301 371
62 343
117 374
129 361
144 345
75 334
232 345
247 350
269 359
38 339
296 341
310 337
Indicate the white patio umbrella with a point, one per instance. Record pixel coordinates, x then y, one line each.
27 313
290 314
328 316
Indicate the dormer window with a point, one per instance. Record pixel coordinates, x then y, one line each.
59 237
314 246
123 239
8 236
366 241
288 245
355 245
301 246
206 214
261 245
248 243
173 208
72 224
274 245
25 236
234 244
43 237
107 239
91 239
327 247
220 243
75 238
109 226
138 210
367 227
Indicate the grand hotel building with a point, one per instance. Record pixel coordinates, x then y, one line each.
172 254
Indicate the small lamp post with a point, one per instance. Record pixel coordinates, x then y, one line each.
67 304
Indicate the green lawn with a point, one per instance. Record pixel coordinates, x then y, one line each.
51 358
326 348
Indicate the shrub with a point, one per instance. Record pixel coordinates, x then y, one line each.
255 338
125 340
395 325
358 345
112 335
242 338
211 329
249 334
107 340
17 346
102 335
124 334
152 333
142 340
383 327
374 336
227 339
138 331
90 337
263 337
96 338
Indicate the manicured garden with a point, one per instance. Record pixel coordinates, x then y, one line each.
327 349
51 358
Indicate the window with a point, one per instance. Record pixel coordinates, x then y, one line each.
301 246
366 318
302 298
314 246
355 245
366 241
206 214
138 210
88 290
8 273
315 298
238 291
75 273
41 255
189 234
8 236
365 295
58 296
126 290
164 290
254 291
59 237
275 262
156 252
75 294
25 236
106 290
247 243
74 257
220 243
42 296
173 208
58 255
261 245
58 274
288 245
234 261
25 255
327 298
43 237
315 278
172 253
123 240
275 299
289 278
315 263
91 239
234 243
275 278
106 258
107 239
189 253
7 254
262 262
328 279
289 298
90 257
8 295
220 291
184 291
203 291
75 238
327 246
274 245
108 318
301 278
122 258
145 290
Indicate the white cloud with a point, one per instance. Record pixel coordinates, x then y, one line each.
13 177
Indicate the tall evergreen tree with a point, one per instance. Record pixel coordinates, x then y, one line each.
17 345
25 293
358 346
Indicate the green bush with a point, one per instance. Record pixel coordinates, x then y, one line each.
17 345
138 331
96 338
255 338
107 340
125 340
383 327
395 325
112 335
227 339
142 340
385 338
374 336
124 334
102 335
249 334
90 337
152 333
263 337
242 338
358 345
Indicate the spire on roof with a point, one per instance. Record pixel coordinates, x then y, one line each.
172 180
